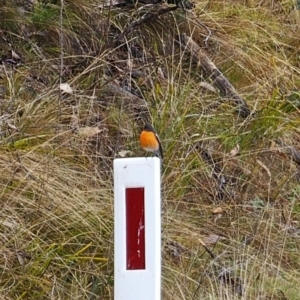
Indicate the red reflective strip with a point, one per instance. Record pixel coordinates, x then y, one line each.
135 229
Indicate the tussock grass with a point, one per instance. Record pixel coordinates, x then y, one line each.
230 186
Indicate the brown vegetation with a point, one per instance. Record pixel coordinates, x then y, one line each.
78 80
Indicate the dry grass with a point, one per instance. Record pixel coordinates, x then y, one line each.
56 224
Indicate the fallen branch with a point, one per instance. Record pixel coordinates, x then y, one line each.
225 87
148 16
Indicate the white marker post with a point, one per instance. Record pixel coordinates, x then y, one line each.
137 196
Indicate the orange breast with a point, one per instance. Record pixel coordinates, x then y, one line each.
148 141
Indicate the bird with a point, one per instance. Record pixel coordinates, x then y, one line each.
150 141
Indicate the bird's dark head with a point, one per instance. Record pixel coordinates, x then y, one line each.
148 127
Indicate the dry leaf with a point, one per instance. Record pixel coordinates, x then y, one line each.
217 210
160 73
11 126
65 87
15 56
207 86
264 167
22 257
123 153
88 131
247 172
235 150
10 224
211 239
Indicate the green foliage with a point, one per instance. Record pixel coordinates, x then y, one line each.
45 16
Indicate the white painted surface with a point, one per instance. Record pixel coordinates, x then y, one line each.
138 284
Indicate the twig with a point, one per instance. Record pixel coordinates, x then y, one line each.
225 87
207 249
207 29
144 19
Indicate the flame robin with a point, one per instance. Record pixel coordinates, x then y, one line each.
149 141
